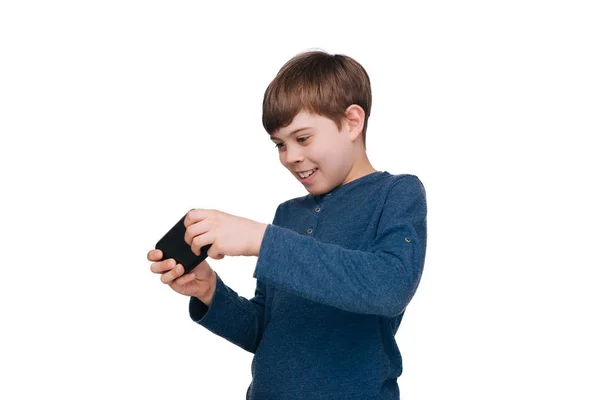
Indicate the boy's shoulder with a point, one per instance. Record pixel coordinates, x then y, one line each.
407 179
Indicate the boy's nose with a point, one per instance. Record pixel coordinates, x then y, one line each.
293 155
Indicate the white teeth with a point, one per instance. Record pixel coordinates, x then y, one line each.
306 174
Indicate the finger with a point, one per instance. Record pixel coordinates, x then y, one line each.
187 220
195 215
171 275
194 230
192 216
203 266
185 279
154 255
200 241
163 266
215 253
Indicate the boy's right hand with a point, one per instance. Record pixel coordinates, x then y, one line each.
199 282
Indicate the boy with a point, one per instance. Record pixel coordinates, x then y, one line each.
336 268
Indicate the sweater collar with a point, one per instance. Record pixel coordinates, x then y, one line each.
336 191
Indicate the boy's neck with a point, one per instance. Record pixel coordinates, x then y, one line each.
361 168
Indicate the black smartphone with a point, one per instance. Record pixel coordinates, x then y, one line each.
173 245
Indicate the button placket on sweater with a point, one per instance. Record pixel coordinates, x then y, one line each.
316 212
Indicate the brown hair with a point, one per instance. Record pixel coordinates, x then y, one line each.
320 83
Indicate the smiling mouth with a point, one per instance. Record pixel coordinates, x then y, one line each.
304 175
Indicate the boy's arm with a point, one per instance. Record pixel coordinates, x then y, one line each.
381 281
232 317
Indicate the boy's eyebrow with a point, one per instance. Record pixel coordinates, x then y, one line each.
291 133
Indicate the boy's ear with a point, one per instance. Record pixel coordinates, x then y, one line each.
355 118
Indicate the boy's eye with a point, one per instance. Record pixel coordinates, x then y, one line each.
301 140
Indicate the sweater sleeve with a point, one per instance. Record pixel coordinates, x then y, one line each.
233 317
381 281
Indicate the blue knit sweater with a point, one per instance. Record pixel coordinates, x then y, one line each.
334 275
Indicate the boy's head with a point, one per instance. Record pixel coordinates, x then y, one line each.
316 112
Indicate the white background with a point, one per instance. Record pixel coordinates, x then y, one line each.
117 117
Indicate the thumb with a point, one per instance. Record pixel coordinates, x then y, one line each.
213 252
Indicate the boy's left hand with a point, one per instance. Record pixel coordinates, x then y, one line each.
230 235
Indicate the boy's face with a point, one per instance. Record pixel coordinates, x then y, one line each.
313 141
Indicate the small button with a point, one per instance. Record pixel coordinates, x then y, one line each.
328 194
317 209
309 230
407 240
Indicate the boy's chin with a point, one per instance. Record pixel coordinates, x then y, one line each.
317 192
